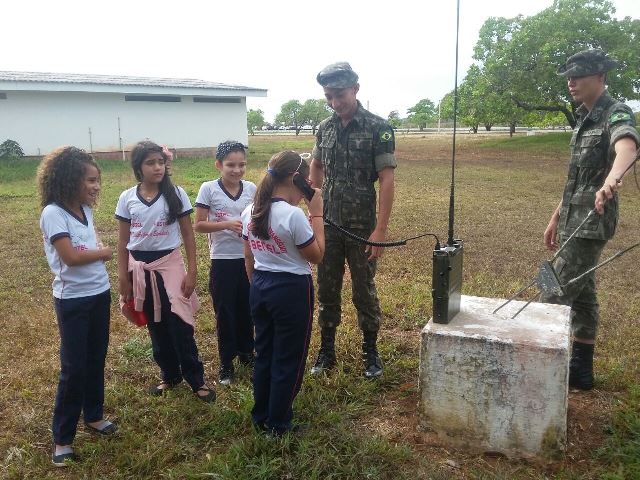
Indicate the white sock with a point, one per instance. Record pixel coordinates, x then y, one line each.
62 449
101 425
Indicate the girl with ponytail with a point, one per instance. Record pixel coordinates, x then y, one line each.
280 244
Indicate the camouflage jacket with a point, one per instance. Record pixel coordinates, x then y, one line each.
351 157
592 156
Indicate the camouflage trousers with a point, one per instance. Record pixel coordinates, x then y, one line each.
339 248
580 255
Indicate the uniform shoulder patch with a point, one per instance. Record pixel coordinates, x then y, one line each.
386 135
619 117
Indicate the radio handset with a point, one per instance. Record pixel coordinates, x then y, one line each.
303 186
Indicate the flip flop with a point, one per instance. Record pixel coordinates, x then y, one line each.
108 429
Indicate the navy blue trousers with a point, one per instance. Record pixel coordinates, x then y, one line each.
84 337
229 289
172 342
282 310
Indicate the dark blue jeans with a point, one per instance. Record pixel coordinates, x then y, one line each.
84 336
172 341
282 310
229 288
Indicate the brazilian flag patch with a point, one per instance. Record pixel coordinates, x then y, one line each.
386 136
619 117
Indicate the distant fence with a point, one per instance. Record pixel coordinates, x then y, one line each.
203 152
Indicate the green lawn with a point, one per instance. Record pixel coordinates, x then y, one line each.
507 189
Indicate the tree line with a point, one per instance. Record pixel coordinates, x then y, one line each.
293 114
513 80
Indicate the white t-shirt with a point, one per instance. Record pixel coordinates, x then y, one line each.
223 207
149 230
289 231
79 281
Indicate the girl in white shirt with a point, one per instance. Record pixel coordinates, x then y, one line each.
154 220
218 208
280 241
69 181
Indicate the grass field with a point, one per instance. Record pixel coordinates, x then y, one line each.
506 191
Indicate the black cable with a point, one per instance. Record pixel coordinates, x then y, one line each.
397 243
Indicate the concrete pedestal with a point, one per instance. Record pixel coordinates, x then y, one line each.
489 383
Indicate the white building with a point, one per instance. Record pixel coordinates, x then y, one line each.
42 111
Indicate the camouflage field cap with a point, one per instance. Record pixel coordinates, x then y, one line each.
587 62
337 75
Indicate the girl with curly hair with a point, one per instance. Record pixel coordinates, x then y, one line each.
154 218
69 181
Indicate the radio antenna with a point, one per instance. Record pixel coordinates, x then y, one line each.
450 240
447 260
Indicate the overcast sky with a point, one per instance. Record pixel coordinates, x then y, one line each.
403 50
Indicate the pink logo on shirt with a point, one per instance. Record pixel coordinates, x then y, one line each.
278 241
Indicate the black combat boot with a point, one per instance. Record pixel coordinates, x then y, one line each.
581 366
372 362
327 355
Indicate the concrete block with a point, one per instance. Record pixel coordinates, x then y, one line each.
489 383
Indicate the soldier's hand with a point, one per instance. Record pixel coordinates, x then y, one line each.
375 252
606 193
551 233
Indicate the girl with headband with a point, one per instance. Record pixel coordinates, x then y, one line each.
218 208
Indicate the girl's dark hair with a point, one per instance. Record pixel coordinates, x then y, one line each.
61 173
139 154
228 146
281 166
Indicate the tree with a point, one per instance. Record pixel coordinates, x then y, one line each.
519 56
10 149
313 112
290 115
394 119
255 120
422 113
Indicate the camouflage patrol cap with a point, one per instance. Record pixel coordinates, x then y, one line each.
337 75
587 62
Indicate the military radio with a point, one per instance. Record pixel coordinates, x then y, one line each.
447 259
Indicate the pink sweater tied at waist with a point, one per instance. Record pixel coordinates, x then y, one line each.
171 268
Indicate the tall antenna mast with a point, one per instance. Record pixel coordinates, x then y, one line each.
447 260
450 240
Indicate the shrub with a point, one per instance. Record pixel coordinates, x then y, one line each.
10 148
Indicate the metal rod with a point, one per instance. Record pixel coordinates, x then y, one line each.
601 264
563 246
535 297
515 295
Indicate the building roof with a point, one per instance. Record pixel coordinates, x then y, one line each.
118 83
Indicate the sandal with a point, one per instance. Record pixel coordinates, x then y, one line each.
108 428
159 389
210 397
63 459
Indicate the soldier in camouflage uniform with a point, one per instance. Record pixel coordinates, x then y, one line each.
354 148
603 145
